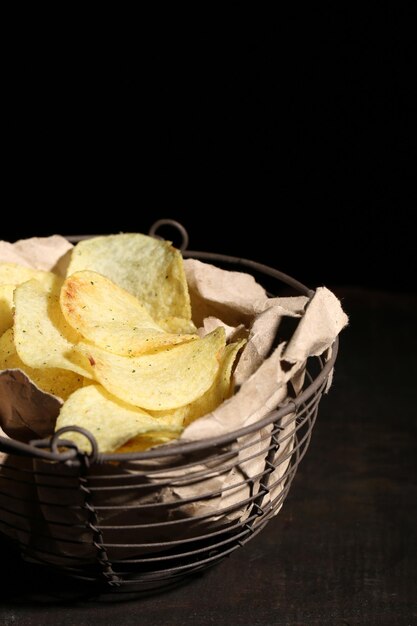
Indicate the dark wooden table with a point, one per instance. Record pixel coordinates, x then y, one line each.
343 550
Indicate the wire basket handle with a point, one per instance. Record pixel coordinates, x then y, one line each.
174 224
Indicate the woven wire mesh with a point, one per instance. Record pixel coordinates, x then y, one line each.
141 521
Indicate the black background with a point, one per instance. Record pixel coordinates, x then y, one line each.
309 119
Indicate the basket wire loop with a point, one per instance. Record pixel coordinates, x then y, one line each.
56 442
153 232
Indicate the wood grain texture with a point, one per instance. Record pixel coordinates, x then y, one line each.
343 550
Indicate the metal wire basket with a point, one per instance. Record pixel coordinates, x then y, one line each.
107 519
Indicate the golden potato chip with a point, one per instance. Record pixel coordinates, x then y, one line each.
140 443
58 382
6 307
181 417
212 398
221 387
111 421
110 317
7 348
178 325
42 336
15 274
150 269
162 380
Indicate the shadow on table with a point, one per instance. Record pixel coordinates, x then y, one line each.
26 583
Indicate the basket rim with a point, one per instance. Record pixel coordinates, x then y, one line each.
38 448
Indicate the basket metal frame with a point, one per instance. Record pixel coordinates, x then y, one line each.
165 543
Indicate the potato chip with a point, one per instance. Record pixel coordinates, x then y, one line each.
111 421
212 398
110 317
220 389
140 443
162 380
6 307
11 275
42 336
150 269
181 417
178 325
7 348
15 274
58 382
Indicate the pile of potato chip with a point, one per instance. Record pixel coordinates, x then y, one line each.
115 341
